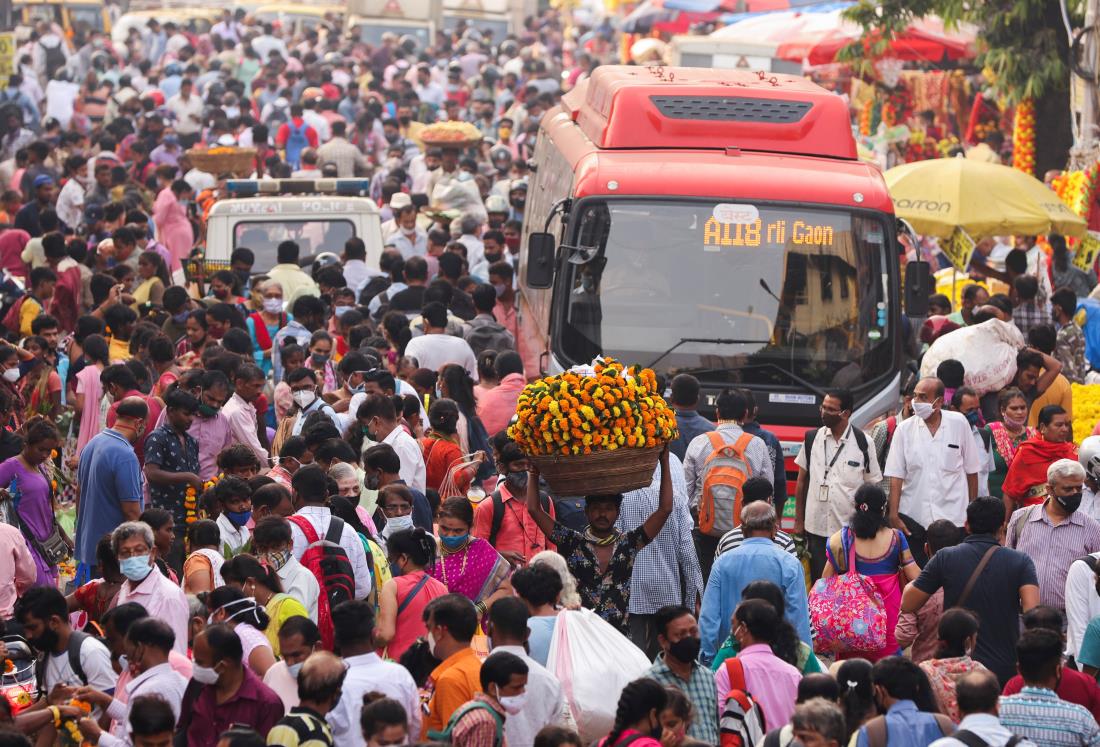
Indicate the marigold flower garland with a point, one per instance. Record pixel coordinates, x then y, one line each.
1023 137
576 414
1086 410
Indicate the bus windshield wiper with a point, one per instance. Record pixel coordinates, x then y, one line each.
709 340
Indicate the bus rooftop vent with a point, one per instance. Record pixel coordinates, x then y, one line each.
731 108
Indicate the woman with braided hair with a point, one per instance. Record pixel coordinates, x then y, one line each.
638 716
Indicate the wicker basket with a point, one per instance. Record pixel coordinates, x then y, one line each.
458 144
601 473
240 162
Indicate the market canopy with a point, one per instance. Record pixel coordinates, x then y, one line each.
659 15
984 199
816 38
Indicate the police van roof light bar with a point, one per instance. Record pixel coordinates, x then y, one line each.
245 187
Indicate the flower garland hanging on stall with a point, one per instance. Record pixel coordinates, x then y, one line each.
1023 137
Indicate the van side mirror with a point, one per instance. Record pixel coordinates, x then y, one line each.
918 287
540 260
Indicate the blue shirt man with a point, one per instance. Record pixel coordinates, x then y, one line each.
757 559
110 481
897 683
684 399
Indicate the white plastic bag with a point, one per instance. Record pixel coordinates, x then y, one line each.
593 662
987 352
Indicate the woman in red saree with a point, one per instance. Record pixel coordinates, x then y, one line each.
1025 483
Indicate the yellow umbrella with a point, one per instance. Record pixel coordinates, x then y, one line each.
985 199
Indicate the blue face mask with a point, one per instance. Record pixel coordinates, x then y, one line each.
181 317
453 543
239 518
973 417
135 568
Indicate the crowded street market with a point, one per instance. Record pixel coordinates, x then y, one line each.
503 373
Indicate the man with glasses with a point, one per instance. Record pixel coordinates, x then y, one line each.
834 461
933 467
396 498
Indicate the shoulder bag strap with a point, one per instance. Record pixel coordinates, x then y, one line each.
335 530
851 551
973 580
498 516
76 640
741 444
736 672
947 726
716 440
412 594
307 529
969 738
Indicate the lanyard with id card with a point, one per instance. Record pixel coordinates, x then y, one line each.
823 492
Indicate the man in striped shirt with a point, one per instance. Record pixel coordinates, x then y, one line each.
1055 533
754 489
1037 713
480 722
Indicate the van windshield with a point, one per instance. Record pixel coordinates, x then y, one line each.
313 237
791 293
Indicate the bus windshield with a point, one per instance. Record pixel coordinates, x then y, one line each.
786 296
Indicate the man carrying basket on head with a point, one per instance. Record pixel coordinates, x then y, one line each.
601 557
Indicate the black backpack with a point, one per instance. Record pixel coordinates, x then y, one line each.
55 58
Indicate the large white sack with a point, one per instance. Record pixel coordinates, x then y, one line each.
987 352
594 662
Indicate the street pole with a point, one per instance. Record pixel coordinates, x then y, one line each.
1087 135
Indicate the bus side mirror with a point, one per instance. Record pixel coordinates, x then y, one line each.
540 260
918 287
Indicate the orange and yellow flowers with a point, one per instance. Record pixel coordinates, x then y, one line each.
571 413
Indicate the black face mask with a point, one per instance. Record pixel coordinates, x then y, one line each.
518 204
404 121
830 420
517 481
1069 502
492 257
685 649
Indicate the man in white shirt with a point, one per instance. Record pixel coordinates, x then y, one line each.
240 412
544 703
407 237
44 615
978 693
356 272
267 43
310 489
435 348
470 237
149 642
932 466
187 108
273 542
353 624
384 426
966 402
840 459
70 201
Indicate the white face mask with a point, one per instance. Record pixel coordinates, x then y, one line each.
11 375
273 305
204 675
923 410
431 644
293 669
513 704
305 398
397 524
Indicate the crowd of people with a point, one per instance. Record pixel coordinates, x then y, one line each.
283 507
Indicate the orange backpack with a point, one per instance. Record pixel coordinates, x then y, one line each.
724 473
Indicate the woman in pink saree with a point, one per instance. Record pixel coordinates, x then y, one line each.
882 555
468 565
170 216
